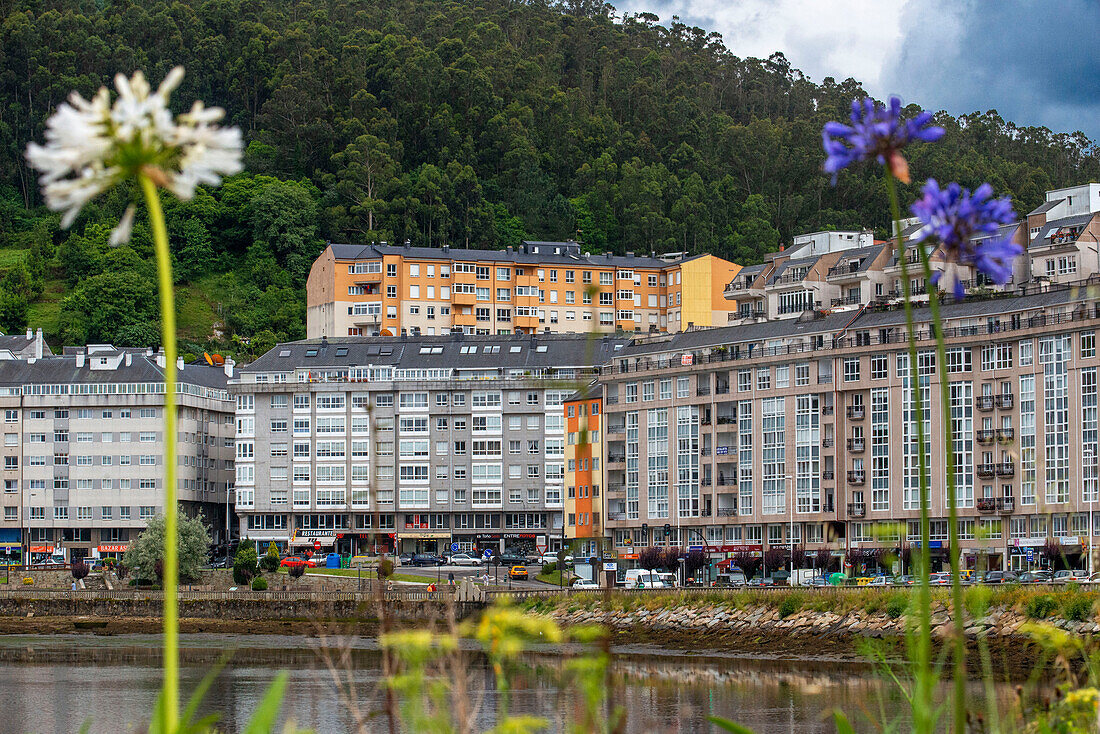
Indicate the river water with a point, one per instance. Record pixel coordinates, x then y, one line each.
57 683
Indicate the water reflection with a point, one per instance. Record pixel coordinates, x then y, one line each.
54 684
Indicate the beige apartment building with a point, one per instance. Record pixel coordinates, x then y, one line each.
801 431
540 287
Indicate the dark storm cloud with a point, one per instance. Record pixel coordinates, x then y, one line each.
1035 62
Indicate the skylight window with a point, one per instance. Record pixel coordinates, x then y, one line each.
341 351
284 352
468 350
311 352
540 348
515 350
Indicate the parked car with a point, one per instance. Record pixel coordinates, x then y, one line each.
879 581
941 578
426 559
463 559
405 559
222 562
735 577
291 561
508 558
1065 576
518 573
905 580
585 584
669 580
815 581
1000 577
548 558
761 581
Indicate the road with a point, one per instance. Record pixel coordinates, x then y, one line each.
498 575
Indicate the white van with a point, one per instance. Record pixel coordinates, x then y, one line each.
668 579
639 578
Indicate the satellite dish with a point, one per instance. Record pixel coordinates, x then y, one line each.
386 332
208 359
219 360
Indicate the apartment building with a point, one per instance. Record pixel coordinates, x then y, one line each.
409 443
1063 235
539 287
801 431
583 470
18 346
84 449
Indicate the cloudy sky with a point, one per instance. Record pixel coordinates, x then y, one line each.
1037 62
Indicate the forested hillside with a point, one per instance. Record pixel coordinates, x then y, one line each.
472 124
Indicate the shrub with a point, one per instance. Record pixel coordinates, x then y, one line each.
549 568
1040 606
297 572
385 568
244 564
270 561
791 603
1077 608
79 570
259 584
896 605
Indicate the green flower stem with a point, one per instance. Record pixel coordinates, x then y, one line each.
924 719
959 707
170 691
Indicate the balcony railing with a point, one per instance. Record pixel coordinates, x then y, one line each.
1004 400
856 477
721 389
727 511
616 458
856 412
984 402
616 430
1005 435
826 410
727 420
996 504
986 436
727 481
705 451
844 269
856 445
616 516
857 509
827 475
1006 469
826 443
613 488
986 471
846 301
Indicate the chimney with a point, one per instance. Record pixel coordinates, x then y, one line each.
509 249
30 334
38 342
228 367
630 253
162 361
129 358
80 358
324 342
179 363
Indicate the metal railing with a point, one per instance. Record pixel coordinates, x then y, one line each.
856 477
857 509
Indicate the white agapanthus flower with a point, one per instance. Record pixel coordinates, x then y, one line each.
91 145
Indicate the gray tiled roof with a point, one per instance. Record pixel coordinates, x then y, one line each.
572 255
515 352
1045 207
1043 238
802 262
837 322
865 255
63 370
17 343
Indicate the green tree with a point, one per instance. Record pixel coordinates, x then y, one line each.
147 550
244 564
270 561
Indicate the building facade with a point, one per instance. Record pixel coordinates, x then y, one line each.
84 449
539 287
409 444
584 470
803 432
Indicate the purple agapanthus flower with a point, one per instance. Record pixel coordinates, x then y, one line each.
967 226
877 131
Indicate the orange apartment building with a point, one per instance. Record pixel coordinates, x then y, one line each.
554 287
583 470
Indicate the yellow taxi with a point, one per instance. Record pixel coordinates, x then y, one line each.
518 573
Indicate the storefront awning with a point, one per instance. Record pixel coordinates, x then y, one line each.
10 546
113 547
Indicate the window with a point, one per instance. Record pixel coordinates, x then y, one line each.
959 359
1088 344
851 370
880 366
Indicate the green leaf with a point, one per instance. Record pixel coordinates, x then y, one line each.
842 725
727 725
200 693
263 720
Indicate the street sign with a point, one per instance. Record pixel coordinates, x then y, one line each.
487 553
541 547
1030 555
610 566
454 547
